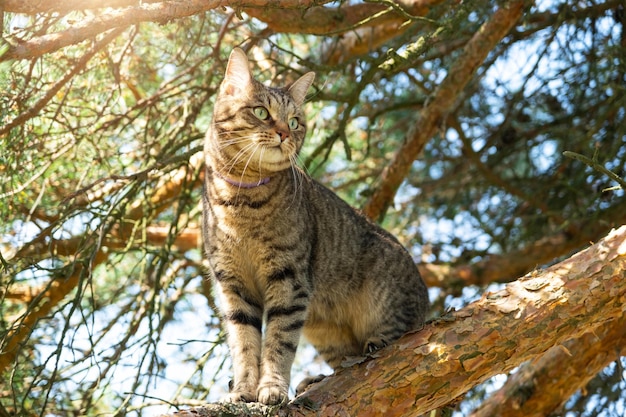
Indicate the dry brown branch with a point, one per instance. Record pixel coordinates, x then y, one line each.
505 267
41 306
96 24
428 369
360 41
426 125
127 16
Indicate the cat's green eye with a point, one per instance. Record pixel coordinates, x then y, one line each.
293 123
261 113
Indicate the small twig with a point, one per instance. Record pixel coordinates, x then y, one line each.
80 66
393 5
595 165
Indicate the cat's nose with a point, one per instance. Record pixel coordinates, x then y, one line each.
283 135
282 131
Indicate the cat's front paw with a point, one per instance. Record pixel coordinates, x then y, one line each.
302 386
374 343
239 396
272 394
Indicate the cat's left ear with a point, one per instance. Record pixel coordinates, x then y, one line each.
237 75
299 88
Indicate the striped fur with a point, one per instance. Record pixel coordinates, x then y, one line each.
287 256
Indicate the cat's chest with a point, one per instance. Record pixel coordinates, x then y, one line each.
251 239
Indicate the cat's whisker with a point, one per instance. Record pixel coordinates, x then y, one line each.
239 155
260 169
245 168
302 165
231 142
297 182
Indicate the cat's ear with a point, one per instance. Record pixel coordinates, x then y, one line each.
299 88
237 75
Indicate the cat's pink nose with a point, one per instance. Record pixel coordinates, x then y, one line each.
283 135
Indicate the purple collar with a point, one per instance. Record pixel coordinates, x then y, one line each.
243 184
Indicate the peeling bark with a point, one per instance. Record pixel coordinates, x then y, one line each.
428 369
541 387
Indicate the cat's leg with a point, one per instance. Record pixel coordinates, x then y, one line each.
286 306
332 341
242 319
387 327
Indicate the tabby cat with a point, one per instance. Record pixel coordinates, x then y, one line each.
287 256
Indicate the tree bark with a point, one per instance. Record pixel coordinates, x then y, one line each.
333 21
428 369
291 16
62 7
541 387
121 18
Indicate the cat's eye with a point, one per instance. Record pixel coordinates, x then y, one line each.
261 113
293 123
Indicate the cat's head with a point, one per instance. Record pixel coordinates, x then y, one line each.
257 130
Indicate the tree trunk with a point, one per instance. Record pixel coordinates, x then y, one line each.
428 369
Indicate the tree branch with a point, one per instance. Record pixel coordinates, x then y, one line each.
169 187
505 267
293 16
597 166
426 370
124 17
325 21
55 6
461 72
80 65
541 387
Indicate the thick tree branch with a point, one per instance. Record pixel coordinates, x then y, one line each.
127 16
55 6
541 387
428 369
461 72
294 16
333 21
507 266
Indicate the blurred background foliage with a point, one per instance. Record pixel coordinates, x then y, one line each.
103 306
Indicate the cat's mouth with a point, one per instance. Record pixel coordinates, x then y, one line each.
273 153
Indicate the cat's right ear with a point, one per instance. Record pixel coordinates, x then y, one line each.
237 76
